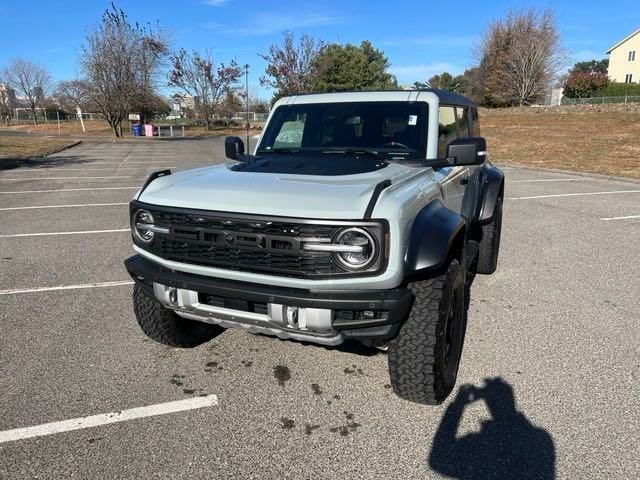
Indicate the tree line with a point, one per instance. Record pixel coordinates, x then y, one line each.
125 66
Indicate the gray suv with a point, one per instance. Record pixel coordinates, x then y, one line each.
360 216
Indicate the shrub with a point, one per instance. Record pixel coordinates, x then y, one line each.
620 90
585 84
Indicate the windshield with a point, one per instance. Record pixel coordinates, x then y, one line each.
387 129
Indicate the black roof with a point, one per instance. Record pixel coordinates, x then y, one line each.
445 96
448 97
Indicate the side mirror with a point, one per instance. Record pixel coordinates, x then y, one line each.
233 148
467 151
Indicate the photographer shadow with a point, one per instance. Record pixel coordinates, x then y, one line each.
508 446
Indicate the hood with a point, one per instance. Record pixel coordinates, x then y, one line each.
219 188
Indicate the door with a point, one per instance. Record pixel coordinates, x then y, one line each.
455 178
466 119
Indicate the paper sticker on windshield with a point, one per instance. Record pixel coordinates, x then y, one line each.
413 119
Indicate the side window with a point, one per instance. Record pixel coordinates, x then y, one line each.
475 123
290 134
462 119
447 131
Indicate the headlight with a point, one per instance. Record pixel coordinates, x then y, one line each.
363 249
141 219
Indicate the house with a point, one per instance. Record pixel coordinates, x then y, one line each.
624 59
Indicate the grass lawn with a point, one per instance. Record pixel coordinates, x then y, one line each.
30 146
597 142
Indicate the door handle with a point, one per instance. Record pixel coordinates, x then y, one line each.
464 181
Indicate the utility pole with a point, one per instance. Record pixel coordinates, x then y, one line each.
246 99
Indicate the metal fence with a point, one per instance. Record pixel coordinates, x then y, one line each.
600 100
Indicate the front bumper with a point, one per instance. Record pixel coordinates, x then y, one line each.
325 317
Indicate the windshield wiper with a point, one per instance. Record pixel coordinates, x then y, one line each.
356 151
291 151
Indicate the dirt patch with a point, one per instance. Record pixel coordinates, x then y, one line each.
604 141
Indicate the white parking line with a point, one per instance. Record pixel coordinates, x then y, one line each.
628 217
574 194
37 207
57 178
16 291
108 418
70 190
49 169
48 234
552 180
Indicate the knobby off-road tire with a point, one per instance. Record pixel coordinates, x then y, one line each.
164 326
489 246
424 357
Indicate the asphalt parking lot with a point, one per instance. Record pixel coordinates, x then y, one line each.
552 348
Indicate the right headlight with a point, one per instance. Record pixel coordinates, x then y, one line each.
142 226
359 248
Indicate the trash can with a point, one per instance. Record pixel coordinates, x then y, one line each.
136 129
148 130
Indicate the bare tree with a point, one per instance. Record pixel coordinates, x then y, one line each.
76 92
31 82
520 57
7 102
293 68
121 61
197 76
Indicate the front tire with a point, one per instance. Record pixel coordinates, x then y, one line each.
424 357
165 327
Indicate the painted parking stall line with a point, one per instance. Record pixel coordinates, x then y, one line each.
78 205
584 194
84 189
64 169
108 418
60 178
53 234
17 291
627 217
543 180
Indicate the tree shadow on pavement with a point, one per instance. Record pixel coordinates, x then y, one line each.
508 446
11 163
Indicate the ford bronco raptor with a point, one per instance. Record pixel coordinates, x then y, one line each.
360 215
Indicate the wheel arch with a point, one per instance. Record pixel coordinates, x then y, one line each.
437 234
491 189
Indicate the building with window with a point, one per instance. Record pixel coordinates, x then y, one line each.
624 59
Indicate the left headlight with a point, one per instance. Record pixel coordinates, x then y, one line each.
142 226
359 249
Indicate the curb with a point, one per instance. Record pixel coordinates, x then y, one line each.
573 172
60 149
42 155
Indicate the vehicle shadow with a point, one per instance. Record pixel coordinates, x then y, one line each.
508 446
11 163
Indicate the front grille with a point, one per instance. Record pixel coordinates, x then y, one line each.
254 244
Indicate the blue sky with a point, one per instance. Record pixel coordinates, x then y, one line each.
420 38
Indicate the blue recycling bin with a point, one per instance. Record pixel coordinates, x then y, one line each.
136 129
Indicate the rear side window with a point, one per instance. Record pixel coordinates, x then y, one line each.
462 120
475 123
447 130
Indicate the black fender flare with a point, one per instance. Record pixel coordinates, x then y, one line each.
434 234
491 188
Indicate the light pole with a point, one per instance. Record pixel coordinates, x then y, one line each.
246 99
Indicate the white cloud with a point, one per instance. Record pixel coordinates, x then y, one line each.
266 23
215 3
422 71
